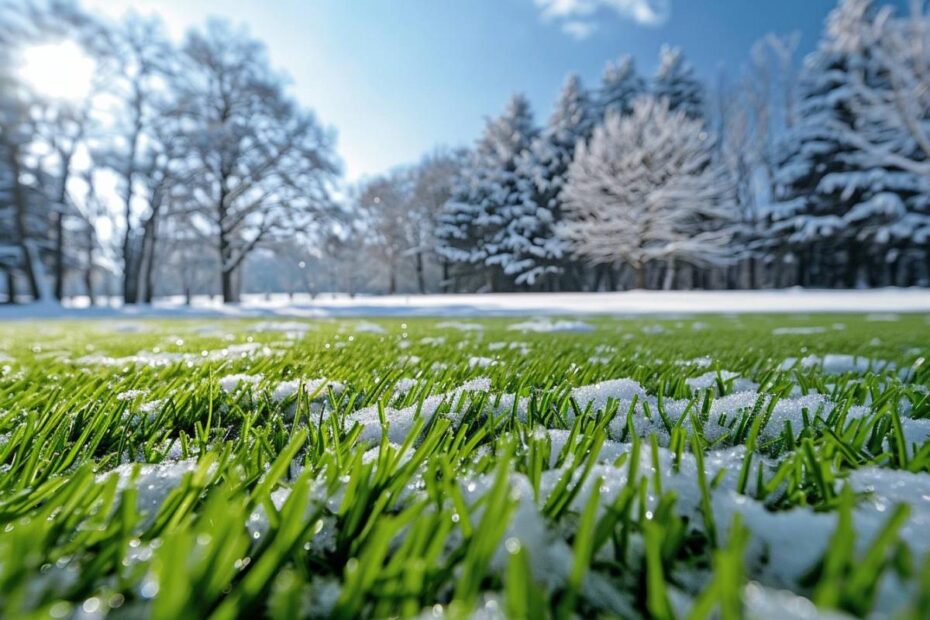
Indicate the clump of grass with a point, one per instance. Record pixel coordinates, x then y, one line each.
133 485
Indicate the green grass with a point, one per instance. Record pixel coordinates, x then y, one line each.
522 497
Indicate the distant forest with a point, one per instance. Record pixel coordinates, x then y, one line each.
189 169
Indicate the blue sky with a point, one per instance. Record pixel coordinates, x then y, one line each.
397 77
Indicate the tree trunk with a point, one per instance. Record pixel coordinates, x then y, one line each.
421 279
229 287
89 264
10 286
639 276
130 275
392 280
22 232
149 274
669 282
445 276
89 277
59 254
599 273
130 288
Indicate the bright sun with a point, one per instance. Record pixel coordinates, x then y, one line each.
58 70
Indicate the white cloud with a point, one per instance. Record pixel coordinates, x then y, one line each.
579 29
576 14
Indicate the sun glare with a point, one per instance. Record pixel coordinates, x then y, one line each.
58 70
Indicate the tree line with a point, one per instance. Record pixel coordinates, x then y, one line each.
809 172
192 154
188 168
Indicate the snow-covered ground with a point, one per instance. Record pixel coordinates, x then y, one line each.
626 303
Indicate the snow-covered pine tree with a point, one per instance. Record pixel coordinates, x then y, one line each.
840 212
677 82
620 86
646 187
892 126
472 227
533 254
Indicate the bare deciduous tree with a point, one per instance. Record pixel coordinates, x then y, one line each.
263 164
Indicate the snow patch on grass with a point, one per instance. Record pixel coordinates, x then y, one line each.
835 364
460 326
367 327
282 326
318 389
709 379
801 331
401 421
131 394
548 325
230 383
153 482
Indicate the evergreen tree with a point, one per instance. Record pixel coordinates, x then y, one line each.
676 81
472 233
646 188
839 209
533 253
620 86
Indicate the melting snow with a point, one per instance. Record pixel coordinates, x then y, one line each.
459 325
400 421
318 387
547 325
160 358
282 326
834 364
709 379
480 362
131 394
367 327
886 317
781 331
229 383
154 481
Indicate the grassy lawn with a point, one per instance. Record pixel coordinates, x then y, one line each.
401 467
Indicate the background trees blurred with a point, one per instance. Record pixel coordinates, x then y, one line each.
186 167
178 151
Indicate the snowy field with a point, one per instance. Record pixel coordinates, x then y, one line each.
766 466
624 303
